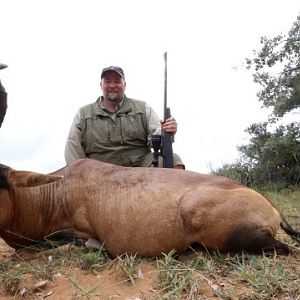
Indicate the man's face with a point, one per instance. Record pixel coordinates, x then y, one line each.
113 86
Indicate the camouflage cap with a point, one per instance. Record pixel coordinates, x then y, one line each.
115 69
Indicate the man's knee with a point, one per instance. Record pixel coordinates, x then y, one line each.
178 163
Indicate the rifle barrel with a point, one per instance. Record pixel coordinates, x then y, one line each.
167 149
165 85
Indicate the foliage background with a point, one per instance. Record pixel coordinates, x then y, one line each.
272 157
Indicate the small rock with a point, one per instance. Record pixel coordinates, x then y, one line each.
40 285
23 291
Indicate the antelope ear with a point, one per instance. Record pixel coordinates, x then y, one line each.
30 179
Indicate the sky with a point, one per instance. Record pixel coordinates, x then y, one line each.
55 51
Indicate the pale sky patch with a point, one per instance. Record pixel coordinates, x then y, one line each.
56 50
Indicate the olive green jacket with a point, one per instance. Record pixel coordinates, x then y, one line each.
120 138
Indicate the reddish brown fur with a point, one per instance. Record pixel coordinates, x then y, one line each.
137 210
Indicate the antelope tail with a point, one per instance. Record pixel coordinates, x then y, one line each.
289 230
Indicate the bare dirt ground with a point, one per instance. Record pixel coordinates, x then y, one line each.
72 282
75 283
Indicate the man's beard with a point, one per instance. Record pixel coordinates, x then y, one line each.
114 97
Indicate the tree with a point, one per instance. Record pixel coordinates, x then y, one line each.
273 154
273 157
277 70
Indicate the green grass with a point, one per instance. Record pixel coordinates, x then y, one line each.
289 203
128 265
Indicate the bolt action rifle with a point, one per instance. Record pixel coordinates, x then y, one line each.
162 145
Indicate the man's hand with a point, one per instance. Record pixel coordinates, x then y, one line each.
169 125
